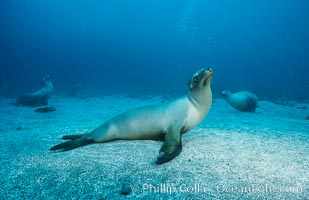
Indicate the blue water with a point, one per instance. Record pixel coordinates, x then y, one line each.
154 46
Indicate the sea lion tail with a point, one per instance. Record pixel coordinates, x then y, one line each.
75 142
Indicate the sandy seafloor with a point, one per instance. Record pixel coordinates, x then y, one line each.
230 155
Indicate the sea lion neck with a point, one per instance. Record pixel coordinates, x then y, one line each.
200 97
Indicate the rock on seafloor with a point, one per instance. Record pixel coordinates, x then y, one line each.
45 109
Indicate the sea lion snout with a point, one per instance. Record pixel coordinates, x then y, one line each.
207 75
208 72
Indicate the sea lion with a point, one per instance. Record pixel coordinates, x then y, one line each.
38 98
243 101
165 121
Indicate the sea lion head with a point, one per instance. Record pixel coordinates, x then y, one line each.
47 82
199 88
200 79
225 93
46 78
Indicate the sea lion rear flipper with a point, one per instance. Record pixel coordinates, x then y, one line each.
75 142
71 137
171 148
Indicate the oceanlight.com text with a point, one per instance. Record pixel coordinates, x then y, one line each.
219 188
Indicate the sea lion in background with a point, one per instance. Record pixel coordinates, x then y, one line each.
38 98
155 122
243 101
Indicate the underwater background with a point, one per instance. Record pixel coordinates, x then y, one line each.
107 57
153 46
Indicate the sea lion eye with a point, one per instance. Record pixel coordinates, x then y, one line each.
195 79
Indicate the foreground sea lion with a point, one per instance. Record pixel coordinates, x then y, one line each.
156 122
38 98
243 101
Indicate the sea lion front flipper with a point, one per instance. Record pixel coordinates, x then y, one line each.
171 148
